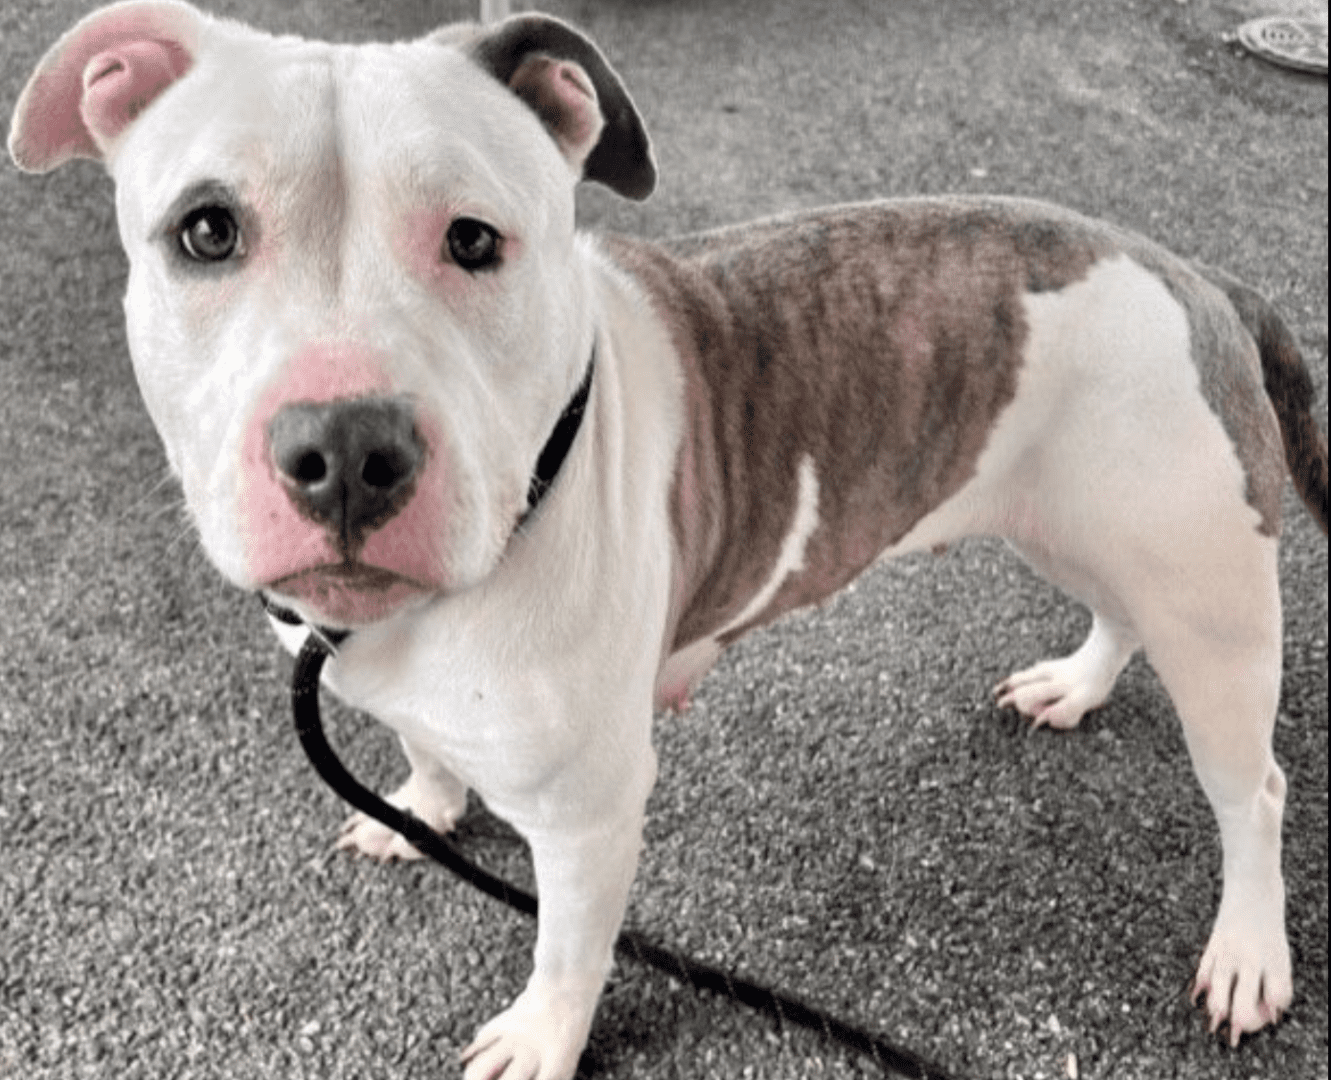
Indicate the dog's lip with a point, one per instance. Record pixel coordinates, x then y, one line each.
348 594
356 575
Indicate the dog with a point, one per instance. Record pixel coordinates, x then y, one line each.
545 478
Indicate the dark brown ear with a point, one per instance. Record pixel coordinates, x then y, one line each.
567 82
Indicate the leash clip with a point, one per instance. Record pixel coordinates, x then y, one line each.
326 636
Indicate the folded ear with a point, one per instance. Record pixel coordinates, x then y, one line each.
566 81
95 81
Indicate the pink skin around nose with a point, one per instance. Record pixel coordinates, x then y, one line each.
293 556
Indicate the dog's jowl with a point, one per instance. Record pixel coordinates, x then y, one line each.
360 316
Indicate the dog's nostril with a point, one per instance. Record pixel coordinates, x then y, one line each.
310 468
382 470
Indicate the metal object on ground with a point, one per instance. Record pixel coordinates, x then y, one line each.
1293 43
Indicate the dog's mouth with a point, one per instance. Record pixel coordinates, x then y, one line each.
349 594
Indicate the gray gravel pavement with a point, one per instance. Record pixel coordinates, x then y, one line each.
842 812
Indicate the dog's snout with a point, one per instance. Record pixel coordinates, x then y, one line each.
350 465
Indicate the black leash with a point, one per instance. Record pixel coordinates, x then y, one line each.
783 1009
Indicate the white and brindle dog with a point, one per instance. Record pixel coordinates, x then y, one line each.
358 309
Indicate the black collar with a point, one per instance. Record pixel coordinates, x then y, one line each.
560 442
331 637
548 464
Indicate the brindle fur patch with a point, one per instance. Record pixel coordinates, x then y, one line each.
1289 390
883 340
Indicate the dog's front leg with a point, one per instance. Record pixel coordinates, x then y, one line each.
583 876
431 793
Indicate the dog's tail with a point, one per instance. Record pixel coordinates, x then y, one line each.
1288 385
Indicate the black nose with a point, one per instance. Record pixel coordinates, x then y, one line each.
350 465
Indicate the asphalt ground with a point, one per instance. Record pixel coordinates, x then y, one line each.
843 812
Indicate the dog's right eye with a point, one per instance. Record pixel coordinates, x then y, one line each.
210 234
473 244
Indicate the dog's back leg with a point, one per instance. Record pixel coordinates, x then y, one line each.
1214 638
1193 579
1205 603
1137 499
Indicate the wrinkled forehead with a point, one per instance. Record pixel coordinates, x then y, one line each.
403 125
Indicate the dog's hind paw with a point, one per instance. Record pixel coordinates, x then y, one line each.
1060 692
1052 692
363 835
438 806
1247 985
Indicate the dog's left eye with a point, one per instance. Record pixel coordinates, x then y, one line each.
472 244
210 234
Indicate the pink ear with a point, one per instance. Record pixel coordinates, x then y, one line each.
98 78
121 83
561 94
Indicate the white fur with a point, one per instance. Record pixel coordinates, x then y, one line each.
790 559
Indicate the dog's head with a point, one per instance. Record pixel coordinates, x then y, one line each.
355 305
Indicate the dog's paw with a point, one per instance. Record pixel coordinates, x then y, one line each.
1056 692
363 835
1049 693
439 807
1060 692
1246 978
539 1037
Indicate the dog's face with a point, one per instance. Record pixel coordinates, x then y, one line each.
385 223
354 305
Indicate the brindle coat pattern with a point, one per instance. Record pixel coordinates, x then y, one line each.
1289 391
914 306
